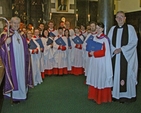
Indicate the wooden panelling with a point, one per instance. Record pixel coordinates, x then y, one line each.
134 18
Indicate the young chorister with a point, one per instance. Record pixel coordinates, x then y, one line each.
41 28
34 49
52 32
89 37
60 55
83 30
38 39
77 52
69 50
67 26
48 53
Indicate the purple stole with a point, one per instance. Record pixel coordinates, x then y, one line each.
10 71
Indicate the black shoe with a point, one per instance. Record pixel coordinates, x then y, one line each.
114 100
121 102
16 102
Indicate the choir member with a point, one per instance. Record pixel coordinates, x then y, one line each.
69 50
67 26
99 75
83 30
41 28
52 31
36 56
30 27
48 53
77 53
60 55
89 37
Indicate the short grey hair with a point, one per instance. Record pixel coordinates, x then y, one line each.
15 19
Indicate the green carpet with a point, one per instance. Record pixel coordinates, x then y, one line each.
67 94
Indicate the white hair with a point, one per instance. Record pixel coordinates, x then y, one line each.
15 19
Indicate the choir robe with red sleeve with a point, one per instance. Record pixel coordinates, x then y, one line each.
69 52
60 57
86 58
54 31
77 57
49 59
99 75
42 59
35 61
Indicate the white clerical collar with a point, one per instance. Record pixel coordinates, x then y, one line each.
16 32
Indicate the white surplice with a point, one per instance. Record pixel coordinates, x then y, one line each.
69 53
86 59
48 54
71 32
99 73
77 54
42 59
60 56
36 69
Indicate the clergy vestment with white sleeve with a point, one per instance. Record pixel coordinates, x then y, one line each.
129 53
16 66
20 67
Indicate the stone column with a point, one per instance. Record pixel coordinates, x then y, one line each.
75 12
28 2
106 13
47 10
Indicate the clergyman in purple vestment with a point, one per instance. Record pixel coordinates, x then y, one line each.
16 59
